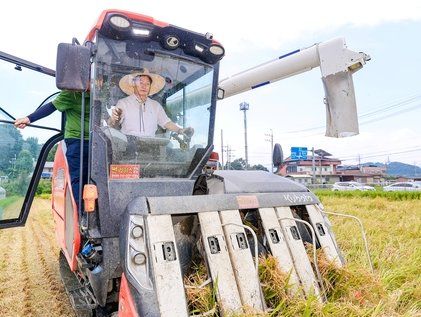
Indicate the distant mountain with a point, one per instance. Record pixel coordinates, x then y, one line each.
399 169
373 164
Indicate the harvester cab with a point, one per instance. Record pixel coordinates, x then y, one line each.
150 208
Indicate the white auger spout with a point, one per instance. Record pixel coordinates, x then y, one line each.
337 64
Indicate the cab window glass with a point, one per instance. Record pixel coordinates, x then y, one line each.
185 98
21 92
18 156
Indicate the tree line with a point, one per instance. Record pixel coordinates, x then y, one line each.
240 164
17 159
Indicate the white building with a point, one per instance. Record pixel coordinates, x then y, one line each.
2 193
303 179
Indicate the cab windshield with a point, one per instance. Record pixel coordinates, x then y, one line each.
185 98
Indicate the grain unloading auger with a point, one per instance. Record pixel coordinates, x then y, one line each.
149 209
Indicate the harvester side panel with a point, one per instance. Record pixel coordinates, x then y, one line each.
219 263
64 208
242 261
301 261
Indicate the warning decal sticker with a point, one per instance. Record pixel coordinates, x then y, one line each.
124 171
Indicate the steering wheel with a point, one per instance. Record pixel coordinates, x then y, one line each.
184 142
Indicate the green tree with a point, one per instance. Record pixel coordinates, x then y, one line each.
33 146
259 167
24 162
238 164
18 186
11 142
52 153
44 187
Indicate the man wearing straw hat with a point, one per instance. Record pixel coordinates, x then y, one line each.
138 114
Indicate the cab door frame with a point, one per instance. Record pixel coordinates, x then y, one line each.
42 157
33 184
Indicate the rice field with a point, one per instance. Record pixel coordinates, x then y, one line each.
31 286
29 276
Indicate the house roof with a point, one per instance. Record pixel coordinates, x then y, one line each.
49 164
359 174
316 158
298 176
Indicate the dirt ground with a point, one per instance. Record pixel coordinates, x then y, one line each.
30 283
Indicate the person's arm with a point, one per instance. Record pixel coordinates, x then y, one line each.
172 127
166 123
38 114
175 128
114 120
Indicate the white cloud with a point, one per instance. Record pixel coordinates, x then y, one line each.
35 31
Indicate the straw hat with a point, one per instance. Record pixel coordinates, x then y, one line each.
127 82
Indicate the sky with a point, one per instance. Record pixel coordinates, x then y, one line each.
387 89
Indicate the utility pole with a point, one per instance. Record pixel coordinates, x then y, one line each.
229 150
320 171
313 166
222 148
244 106
269 138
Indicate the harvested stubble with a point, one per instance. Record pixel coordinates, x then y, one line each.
201 296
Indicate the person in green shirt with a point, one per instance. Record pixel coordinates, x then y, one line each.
70 103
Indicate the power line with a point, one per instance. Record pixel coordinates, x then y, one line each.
392 106
391 114
387 151
371 113
386 154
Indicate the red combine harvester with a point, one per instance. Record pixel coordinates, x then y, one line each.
154 203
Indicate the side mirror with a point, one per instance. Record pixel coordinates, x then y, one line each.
73 67
278 155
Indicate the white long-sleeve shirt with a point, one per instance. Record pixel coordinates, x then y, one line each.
141 118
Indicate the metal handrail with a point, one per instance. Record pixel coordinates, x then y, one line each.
367 250
256 253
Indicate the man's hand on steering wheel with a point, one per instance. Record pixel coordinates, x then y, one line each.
189 131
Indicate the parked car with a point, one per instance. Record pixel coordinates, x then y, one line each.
407 186
339 186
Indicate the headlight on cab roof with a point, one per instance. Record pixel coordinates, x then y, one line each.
119 22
